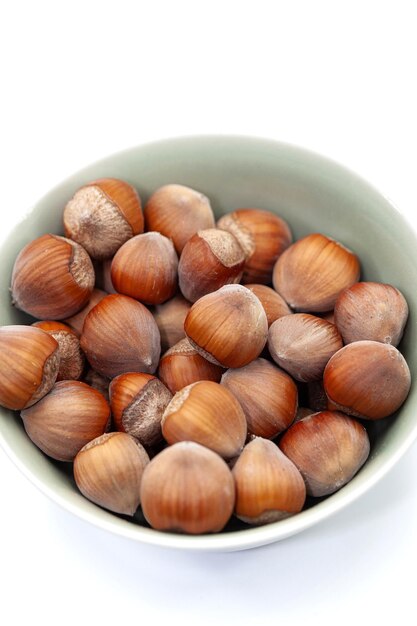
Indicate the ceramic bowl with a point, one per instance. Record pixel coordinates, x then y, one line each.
313 194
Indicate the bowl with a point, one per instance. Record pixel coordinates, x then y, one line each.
313 194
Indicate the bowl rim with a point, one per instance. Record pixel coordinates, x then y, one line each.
250 537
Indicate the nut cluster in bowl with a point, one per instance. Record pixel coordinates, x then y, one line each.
275 358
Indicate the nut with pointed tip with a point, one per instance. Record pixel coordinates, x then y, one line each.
273 304
71 357
367 379
302 344
267 395
170 317
263 236
228 327
65 420
187 488
373 311
209 414
108 471
145 268
210 259
178 212
269 487
328 448
52 278
76 322
102 215
137 402
313 271
120 335
182 365
29 363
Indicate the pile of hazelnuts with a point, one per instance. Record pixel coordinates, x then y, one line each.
274 357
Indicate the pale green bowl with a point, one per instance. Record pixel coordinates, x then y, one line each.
314 195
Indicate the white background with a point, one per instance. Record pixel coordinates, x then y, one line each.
80 80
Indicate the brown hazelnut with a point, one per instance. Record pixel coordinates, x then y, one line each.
267 395
269 487
137 402
328 448
228 327
71 357
313 271
145 268
29 363
302 344
210 259
53 278
209 414
273 304
187 488
182 365
263 236
373 311
367 379
103 215
170 317
76 322
65 420
120 335
178 212
108 471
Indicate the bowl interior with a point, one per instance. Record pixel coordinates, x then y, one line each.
314 195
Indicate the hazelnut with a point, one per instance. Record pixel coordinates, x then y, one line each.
29 363
263 236
170 317
209 414
210 259
228 327
269 487
328 448
108 471
267 395
302 344
71 357
76 322
120 335
313 271
182 365
178 212
137 402
52 278
367 379
373 311
65 420
187 488
273 304
145 268
103 215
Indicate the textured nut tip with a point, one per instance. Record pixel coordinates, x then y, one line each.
95 219
223 245
142 417
49 376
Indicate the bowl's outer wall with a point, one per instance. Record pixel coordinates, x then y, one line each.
314 195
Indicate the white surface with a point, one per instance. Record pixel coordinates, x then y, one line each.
82 80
